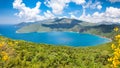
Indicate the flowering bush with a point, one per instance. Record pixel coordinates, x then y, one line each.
6 49
115 58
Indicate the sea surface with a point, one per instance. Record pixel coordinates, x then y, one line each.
57 38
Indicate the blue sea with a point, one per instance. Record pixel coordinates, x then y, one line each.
57 38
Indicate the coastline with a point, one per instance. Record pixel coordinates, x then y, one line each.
101 36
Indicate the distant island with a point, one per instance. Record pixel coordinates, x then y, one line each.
68 25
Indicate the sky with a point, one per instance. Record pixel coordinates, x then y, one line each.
94 11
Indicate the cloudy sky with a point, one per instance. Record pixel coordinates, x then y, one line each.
95 11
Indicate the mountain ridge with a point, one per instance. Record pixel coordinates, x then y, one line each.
66 24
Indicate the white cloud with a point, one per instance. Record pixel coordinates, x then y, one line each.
48 14
26 13
59 5
74 12
110 15
78 1
99 7
91 5
94 5
113 1
73 17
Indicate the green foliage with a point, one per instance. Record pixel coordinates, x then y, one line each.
32 55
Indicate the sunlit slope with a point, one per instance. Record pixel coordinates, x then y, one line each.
20 54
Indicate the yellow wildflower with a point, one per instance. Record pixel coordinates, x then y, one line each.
10 43
1 45
113 46
5 57
3 53
110 59
16 42
118 41
117 37
116 29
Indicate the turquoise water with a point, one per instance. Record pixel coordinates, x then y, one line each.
57 38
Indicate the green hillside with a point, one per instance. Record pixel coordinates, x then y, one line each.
22 54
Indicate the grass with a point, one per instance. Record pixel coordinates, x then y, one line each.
24 54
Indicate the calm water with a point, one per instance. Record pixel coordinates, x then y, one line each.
58 38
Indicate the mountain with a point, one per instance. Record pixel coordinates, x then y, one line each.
66 24
24 24
63 24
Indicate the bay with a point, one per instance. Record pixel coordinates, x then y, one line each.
56 38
